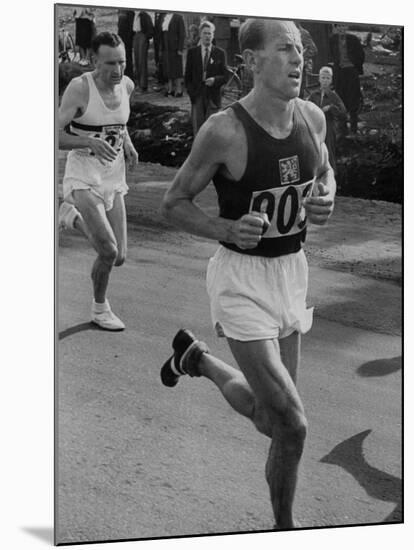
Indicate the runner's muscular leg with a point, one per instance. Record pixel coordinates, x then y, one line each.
117 219
278 404
231 382
81 226
102 238
235 388
290 353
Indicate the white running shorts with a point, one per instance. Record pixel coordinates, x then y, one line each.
84 171
258 298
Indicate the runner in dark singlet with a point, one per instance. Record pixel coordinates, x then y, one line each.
270 168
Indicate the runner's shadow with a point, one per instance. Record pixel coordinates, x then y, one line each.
377 484
380 367
77 328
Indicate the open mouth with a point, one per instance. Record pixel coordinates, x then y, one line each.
295 75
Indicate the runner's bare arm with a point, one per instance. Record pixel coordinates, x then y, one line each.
319 208
211 149
131 154
130 86
72 105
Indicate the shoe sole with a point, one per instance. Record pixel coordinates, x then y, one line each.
107 328
168 378
181 342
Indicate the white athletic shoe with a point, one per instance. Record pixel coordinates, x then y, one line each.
107 320
67 216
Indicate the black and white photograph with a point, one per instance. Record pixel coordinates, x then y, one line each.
228 273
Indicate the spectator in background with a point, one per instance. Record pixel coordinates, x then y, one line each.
334 109
234 45
193 36
126 32
158 19
348 57
144 31
205 74
85 32
93 33
222 34
173 37
309 51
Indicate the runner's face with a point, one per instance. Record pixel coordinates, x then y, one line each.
110 64
280 63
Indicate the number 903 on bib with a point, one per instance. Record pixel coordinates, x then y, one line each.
283 206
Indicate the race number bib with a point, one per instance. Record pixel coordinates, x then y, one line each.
114 135
283 206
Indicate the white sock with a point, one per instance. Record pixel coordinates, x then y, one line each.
173 368
100 308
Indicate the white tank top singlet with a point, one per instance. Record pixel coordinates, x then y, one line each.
101 122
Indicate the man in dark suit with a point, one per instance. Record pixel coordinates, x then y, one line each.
205 74
144 31
348 57
126 32
160 74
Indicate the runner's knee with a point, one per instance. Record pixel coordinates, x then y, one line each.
108 253
261 420
294 434
120 259
291 427
298 429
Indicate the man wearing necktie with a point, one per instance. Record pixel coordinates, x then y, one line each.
205 74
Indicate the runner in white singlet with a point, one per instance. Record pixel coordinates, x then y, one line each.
93 120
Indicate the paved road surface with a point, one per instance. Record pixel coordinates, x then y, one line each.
137 460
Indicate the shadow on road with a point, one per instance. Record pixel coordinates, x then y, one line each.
380 367
364 302
77 328
377 484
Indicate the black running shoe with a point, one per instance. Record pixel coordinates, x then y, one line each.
187 352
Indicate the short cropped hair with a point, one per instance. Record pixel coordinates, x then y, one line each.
208 24
252 34
326 70
106 39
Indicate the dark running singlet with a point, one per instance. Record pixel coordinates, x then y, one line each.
279 174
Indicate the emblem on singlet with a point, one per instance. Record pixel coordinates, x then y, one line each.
289 170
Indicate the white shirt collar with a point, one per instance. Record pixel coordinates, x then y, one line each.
166 22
